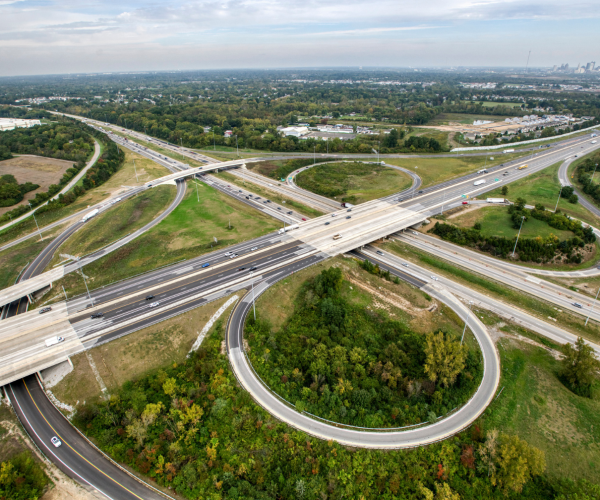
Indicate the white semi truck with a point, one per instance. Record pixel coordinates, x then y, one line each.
89 215
479 182
288 228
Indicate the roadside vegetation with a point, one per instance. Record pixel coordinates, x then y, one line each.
538 308
190 230
360 366
280 169
576 246
124 218
268 194
15 259
353 182
437 170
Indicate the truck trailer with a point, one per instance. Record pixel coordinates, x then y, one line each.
496 200
479 182
288 228
89 215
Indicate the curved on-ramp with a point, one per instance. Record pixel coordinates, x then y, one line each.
389 439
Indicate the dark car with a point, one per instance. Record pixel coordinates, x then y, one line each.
241 269
253 268
327 223
149 297
349 217
45 310
420 191
247 198
97 315
290 212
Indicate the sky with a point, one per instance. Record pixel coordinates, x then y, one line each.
65 36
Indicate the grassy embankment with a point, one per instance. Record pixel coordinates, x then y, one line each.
354 182
125 218
437 170
185 233
538 308
271 195
119 182
14 260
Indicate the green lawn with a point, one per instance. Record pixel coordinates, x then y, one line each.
14 259
271 195
437 170
186 233
124 218
355 182
495 221
537 407
464 118
543 187
491 104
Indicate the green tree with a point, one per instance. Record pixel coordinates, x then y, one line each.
445 358
504 190
578 367
517 463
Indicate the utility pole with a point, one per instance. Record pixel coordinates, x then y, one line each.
86 285
593 305
136 175
214 143
197 194
181 142
519 233
315 153
378 148
559 193
466 322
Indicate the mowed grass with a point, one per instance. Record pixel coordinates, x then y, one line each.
543 187
355 182
437 170
14 260
571 322
185 233
537 407
124 218
271 195
121 181
134 355
496 221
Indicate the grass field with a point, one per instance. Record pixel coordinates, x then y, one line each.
125 218
185 233
491 104
537 407
354 182
495 221
437 170
538 308
543 187
271 195
464 118
119 182
134 355
13 260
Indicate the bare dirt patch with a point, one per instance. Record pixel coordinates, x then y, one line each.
36 169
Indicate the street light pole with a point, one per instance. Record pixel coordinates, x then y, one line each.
519 233
86 286
592 179
197 194
559 193
236 147
378 147
466 322
593 305
36 224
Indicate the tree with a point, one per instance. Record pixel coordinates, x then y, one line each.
573 198
517 463
578 367
391 140
504 190
520 203
445 358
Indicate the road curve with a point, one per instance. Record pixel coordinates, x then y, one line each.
563 177
410 438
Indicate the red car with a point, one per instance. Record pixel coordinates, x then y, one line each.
303 218
465 202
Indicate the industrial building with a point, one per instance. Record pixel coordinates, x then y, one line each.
13 123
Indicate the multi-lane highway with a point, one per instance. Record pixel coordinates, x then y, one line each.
188 284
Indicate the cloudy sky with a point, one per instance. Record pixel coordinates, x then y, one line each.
62 36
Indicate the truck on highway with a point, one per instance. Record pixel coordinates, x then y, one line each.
522 167
89 215
53 341
496 200
347 205
288 228
479 182
482 171
508 151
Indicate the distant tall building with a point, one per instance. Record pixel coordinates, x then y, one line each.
554 68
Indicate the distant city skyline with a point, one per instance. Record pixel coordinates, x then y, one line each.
50 37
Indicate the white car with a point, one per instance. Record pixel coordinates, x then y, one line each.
434 278
227 254
55 441
253 248
155 304
405 264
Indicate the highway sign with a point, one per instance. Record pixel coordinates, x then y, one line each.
463 195
496 180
